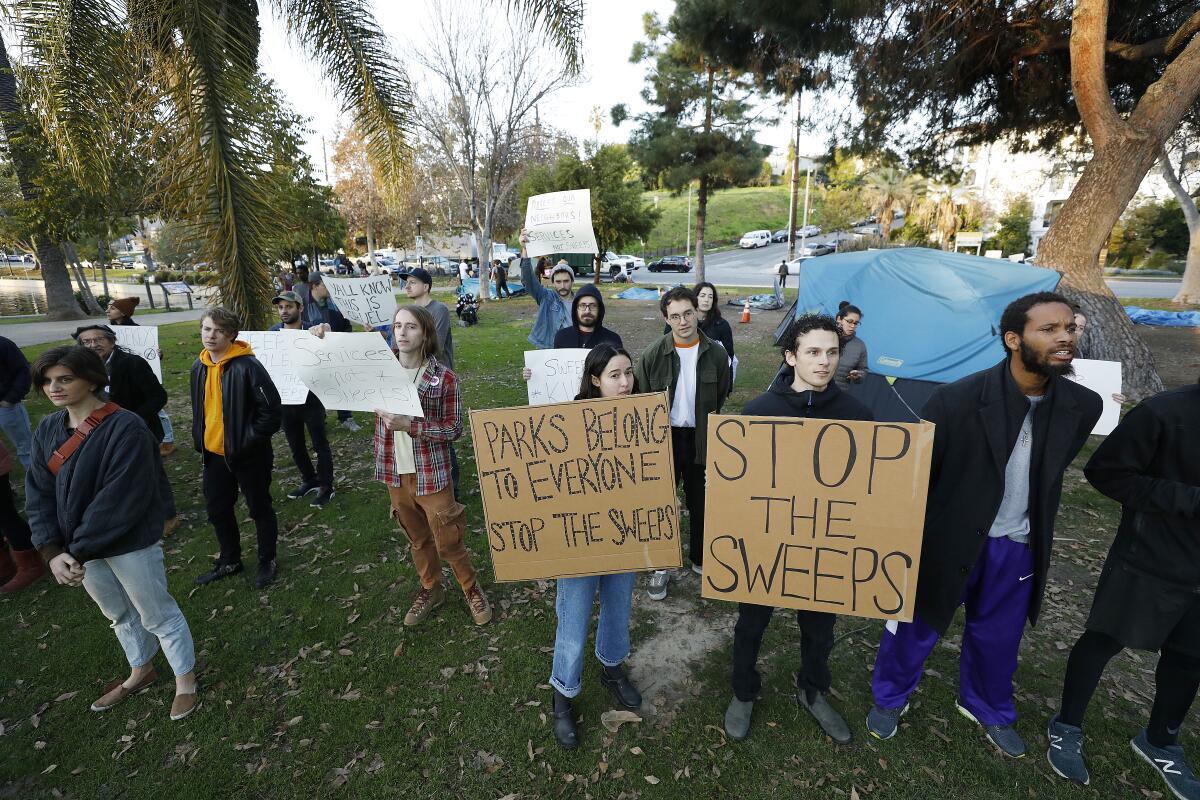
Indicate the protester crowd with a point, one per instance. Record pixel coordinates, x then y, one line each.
98 501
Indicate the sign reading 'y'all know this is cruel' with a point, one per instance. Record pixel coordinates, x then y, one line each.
816 514
579 488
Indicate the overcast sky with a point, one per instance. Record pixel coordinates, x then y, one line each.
610 30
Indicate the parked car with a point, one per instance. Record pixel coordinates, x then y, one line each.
673 263
634 262
755 239
816 249
807 231
779 236
870 229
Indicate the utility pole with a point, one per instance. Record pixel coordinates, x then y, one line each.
793 195
688 251
325 161
420 245
807 183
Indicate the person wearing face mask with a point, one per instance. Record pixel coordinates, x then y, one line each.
607 372
852 367
805 389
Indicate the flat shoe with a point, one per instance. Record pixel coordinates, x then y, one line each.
115 691
182 705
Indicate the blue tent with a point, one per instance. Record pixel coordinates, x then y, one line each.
929 317
927 314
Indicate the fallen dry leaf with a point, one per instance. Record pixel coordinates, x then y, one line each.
612 720
653 781
65 696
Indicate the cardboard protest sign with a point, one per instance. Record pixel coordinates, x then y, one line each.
1103 378
816 514
581 488
274 351
556 374
355 372
141 340
560 222
368 301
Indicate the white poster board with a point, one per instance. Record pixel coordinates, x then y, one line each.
368 301
355 372
1103 378
273 349
556 374
560 222
141 340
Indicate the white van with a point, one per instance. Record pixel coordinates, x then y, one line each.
755 239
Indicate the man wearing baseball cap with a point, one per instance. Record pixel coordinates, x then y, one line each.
310 415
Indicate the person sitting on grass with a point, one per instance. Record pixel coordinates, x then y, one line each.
412 457
607 372
97 496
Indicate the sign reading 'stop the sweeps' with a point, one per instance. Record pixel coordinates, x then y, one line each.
554 374
354 372
368 301
816 514
275 351
141 340
560 222
581 488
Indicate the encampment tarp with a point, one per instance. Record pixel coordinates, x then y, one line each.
927 315
471 287
1152 316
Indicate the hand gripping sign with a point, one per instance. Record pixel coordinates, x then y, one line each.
816 514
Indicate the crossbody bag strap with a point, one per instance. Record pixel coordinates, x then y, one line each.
68 448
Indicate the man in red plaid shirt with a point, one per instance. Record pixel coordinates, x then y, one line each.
412 456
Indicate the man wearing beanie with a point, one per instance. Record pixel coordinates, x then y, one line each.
120 312
554 305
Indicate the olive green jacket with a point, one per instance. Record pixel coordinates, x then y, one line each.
658 370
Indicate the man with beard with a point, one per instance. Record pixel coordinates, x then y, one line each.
554 306
1004 438
587 312
310 415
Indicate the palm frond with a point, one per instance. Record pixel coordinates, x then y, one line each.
355 54
561 19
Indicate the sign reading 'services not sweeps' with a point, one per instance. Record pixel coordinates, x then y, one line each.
816 514
581 488
354 372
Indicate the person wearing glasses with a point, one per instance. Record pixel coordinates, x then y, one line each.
694 372
852 367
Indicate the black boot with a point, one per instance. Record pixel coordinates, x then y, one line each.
564 722
621 688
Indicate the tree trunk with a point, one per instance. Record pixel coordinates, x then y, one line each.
484 261
85 290
371 244
886 218
102 257
1189 290
60 300
1072 246
701 215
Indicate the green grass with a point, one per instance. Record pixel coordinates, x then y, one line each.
1157 303
315 688
731 213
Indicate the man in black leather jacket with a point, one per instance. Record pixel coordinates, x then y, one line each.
235 411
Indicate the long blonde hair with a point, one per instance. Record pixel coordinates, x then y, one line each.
431 346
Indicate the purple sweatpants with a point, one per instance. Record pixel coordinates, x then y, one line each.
997 598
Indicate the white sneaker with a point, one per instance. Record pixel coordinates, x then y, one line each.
656 589
350 425
696 568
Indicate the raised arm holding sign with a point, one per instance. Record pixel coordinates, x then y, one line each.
560 222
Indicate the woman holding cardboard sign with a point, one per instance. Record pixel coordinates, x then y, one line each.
607 372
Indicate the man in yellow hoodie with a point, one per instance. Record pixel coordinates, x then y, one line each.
235 411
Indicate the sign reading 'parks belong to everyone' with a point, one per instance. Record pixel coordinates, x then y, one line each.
816 514
580 488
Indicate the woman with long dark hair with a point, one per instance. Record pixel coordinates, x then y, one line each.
607 372
852 366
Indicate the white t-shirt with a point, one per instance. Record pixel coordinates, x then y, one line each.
402 443
463 271
683 407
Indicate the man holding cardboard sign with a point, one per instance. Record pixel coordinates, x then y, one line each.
1004 437
804 390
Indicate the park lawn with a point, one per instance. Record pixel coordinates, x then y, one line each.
314 688
731 213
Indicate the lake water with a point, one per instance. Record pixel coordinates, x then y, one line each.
18 297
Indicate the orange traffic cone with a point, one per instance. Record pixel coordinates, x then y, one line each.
746 311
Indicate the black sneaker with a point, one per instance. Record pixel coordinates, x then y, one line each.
622 689
305 488
266 574
219 571
323 497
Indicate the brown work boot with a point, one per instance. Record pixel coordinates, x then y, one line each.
166 448
7 567
29 570
481 610
170 525
424 603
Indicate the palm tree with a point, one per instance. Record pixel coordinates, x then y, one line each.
889 189
942 207
188 69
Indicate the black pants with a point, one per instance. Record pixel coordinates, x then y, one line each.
502 288
12 525
683 445
311 415
1176 680
344 415
252 475
816 643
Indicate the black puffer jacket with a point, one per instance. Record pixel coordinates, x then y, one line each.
781 400
110 497
250 406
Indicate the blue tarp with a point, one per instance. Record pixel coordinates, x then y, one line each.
472 287
927 314
638 293
1149 316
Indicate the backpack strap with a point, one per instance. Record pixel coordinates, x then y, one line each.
68 448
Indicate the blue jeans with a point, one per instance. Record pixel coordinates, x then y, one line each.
15 422
574 606
131 591
168 431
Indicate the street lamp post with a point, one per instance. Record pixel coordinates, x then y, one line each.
420 245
